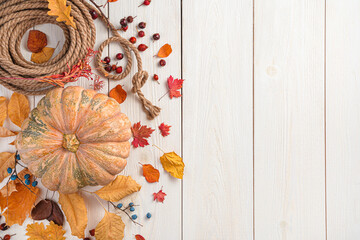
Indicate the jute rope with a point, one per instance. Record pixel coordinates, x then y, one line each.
16 73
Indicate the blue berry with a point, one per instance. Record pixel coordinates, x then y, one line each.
17 157
132 209
27 182
9 170
148 215
131 204
13 177
27 176
119 205
34 184
134 216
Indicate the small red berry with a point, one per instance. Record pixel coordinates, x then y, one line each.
119 69
162 62
123 22
86 239
119 56
107 60
142 47
141 34
142 25
6 237
108 68
93 14
129 19
113 67
132 40
156 77
125 28
146 3
156 36
92 232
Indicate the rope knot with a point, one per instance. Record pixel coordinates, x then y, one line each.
139 80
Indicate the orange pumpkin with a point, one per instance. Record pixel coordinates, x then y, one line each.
75 137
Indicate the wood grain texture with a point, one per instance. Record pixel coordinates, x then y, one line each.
342 112
289 120
217 118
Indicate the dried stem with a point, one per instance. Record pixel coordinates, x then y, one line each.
124 210
164 95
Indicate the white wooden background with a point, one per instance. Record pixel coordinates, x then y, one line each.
268 126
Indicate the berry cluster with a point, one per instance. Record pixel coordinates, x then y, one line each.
125 21
109 68
14 176
4 227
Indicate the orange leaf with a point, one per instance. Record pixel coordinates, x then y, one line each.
37 41
59 9
112 0
164 51
118 93
18 108
150 173
42 56
139 237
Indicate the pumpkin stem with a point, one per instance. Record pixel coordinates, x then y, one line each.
70 142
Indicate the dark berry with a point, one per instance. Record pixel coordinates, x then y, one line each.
119 69
86 239
134 216
92 232
6 237
148 215
156 36
132 209
123 22
93 14
120 205
132 40
162 62
108 68
129 19
156 77
125 28
27 182
34 184
113 67
131 204
142 25
107 60
142 47
13 177
9 170
4 227
17 157
141 34
119 56
27 176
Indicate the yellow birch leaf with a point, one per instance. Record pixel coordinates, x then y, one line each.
59 9
37 231
55 232
118 189
43 56
111 227
75 211
4 132
18 108
173 164
3 110
6 160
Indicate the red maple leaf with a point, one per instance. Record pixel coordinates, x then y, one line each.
174 85
164 129
159 196
140 133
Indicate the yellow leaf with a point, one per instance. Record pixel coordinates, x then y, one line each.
75 211
58 8
18 108
111 227
4 132
6 160
3 110
8 189
37 231
43 56
118 189
173 164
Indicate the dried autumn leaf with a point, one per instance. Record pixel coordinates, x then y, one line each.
18 108
150 173
37 40
43 56
37 231
58 8
139 237
118 93
8 189
57 215
164 129
118 189
174 85
111 227
7 160
3 110
42 210
140 133
75 211
4 132
173 164
159 196
164 51
112 0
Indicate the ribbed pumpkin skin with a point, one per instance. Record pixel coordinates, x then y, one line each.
75 137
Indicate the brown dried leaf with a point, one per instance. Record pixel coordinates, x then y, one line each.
164 51
3 110
6 160
42 210
57 215
18 108
43 56
37 41
118 93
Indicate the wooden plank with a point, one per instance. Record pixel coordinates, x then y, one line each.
289 120
342 113
217 120
161 17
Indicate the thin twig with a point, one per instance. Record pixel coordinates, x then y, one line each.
124 210
164 95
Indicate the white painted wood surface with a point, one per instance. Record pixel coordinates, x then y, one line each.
267 125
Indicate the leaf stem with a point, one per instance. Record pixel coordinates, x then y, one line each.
158 148
164 95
